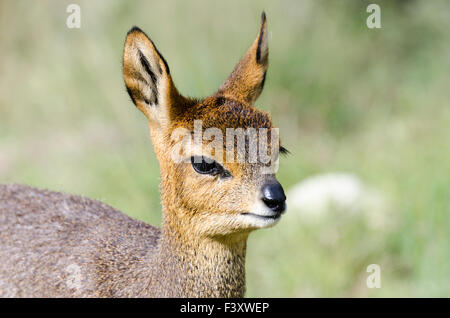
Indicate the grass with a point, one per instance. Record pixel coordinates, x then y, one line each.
370 102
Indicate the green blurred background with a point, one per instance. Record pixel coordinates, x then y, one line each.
370 102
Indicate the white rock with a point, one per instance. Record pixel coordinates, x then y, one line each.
316 196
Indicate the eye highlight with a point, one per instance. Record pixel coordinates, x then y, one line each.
205 165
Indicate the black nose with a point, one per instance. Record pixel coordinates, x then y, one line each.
274 197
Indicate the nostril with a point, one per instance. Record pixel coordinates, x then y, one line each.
276 206
271 203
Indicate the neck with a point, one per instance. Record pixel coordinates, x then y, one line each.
189 266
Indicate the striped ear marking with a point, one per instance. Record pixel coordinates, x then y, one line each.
246 82
262 51
144 70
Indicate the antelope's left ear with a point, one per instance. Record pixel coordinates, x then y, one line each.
147 78
247 79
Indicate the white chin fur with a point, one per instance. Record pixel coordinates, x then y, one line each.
256 221
260 216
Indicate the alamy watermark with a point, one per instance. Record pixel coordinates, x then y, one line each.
74 277
234 145
374 19
73 21
374 279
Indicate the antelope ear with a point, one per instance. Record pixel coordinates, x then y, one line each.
247 79
147 78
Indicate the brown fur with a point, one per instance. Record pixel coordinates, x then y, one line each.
58 245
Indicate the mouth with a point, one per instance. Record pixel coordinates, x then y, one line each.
274 216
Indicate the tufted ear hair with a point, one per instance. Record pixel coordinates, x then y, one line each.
246 81
147 79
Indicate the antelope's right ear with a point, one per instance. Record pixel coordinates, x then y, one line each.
246 81
147 78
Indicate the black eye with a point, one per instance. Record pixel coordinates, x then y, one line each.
205 165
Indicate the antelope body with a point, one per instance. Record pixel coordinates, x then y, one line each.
58 245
